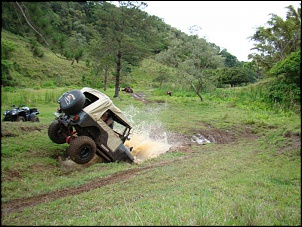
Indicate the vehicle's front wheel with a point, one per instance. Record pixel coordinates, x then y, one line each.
20 118
34 119
56 133
82 149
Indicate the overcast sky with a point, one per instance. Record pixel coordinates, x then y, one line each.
228 24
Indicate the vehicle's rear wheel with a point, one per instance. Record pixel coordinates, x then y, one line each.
20 118
56 133
82 149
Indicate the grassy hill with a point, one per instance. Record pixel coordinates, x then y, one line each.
50 70
53 70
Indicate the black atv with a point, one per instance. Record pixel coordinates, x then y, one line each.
21 113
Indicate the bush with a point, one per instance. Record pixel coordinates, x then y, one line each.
288 70
284 93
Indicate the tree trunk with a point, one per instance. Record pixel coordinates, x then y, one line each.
197 91
118 72
199 95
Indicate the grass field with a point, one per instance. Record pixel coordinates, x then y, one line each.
249 174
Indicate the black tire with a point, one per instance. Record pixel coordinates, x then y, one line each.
72 102
56 133
82 149
34 119
20 118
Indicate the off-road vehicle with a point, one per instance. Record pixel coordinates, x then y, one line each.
21 113
88 120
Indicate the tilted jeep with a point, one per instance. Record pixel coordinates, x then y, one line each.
92 125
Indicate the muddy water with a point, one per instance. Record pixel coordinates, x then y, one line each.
149 139
144 148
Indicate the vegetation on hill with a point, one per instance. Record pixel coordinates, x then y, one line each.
89 46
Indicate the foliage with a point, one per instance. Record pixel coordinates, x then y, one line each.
7 48
75 46
236 76
192 58
34 47
288 71
268 95
230 60
275 42
288 94
113 40
126 31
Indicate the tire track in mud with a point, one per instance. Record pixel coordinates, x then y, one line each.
19 204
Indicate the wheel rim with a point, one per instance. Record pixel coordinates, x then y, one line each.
61 133
85 152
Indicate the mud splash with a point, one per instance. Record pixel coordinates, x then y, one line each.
145 148
149 139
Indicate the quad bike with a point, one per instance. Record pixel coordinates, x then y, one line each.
21 113
88 121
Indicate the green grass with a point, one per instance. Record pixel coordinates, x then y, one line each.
253 181
236 188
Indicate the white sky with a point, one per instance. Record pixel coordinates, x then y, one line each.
228 24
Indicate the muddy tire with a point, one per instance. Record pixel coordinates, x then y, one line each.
56 133
20 118
82 149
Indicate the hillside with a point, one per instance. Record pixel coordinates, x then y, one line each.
50 70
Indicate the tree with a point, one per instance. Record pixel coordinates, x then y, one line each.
162 75
101 59
278 40
289 69
75 47
230 60
125 33
236 76
195 58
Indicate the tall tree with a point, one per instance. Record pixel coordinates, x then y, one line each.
125 33
279 39
101 59
195 58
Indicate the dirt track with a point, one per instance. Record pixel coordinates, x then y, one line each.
19 204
